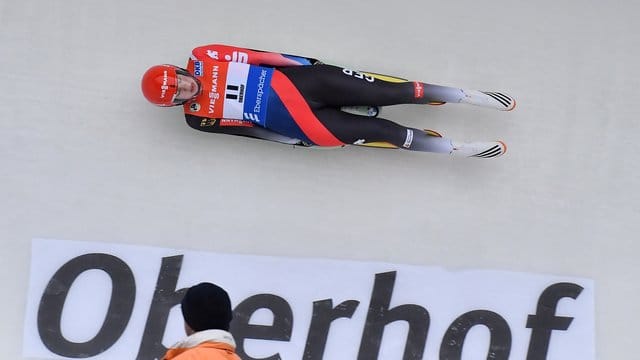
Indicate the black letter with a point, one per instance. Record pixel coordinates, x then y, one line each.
165 297
545 321
280 330
500 342
379 316
123 295
323 315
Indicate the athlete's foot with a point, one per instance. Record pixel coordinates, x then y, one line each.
490 99
489 149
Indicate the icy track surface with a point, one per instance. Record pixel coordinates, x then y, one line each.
84 157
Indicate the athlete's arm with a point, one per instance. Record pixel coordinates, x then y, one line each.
240 128
254 57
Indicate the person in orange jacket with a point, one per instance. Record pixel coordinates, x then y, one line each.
206 309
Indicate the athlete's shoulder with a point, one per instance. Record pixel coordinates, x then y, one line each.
220 52
201 123
229 53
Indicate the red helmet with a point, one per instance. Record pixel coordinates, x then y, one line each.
160 84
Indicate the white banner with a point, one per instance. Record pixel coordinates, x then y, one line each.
112 301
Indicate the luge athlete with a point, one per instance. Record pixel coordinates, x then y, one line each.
299 100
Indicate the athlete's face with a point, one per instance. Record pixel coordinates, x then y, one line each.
187 88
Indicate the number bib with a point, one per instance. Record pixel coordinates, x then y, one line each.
230 90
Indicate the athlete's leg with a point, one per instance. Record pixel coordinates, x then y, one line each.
327 85
357 129
334 86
